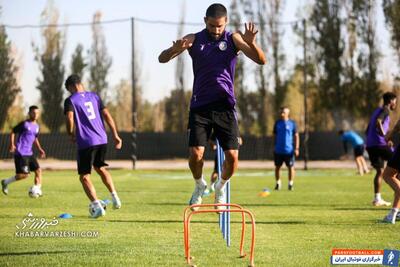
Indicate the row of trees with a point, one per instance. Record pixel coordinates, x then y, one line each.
341 69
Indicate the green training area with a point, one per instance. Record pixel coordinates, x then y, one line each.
328 209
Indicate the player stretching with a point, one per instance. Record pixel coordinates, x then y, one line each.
85 113
357 143
24 159
380 150
214 54
286 140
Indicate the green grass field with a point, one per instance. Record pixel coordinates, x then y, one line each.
328 209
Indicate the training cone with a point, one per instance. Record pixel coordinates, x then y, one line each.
266 192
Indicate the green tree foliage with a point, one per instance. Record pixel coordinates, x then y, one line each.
78 63
327 37
173 118
9 87
99 62
391 8
49 57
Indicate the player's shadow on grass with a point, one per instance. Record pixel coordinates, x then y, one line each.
33 253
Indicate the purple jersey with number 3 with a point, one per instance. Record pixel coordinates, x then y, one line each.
87 107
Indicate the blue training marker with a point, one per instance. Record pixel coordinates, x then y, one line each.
65 216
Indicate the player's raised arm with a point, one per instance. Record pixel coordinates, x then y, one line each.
246 42
177 48
110 122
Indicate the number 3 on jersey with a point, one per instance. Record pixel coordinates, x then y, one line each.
90 110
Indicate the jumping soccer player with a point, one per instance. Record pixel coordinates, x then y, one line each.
380 150
391 177
24 159
214 54
357 143
85 113
286 140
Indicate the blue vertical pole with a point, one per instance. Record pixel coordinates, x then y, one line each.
225 217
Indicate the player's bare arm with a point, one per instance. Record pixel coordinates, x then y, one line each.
296 144
70 125
110 122
246 42
12 142
39 147
177 48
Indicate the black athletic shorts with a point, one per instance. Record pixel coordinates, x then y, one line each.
279 159
378 155
394 162
358 150
25 164
215 117
91 156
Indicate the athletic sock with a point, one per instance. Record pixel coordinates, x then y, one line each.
220 184
378 197
291 182
201 181
39 186
394 211
278 182
114 194
10 180
96 203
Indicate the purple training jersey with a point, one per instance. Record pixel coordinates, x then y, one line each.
87 107
214 64
27 132
373 136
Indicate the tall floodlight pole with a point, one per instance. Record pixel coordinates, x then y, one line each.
134 100
306 134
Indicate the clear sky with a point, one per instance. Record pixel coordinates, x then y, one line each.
157 79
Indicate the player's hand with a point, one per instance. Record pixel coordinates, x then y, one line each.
249 35
118 142
390 143
296 152
12 148
181 45
42 154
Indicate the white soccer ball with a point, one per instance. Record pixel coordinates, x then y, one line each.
35 192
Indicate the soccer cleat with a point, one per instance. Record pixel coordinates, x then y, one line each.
398 216
219 198
197 195
116 202
277 187
389 218
4 187
380 203
290 187
212 188
96 210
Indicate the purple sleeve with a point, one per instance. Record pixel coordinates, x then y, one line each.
101 105
19 128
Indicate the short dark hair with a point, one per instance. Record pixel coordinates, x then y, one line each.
216 11
388 96
72 80
33 108
340 132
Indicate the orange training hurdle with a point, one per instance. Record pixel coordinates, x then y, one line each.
188 213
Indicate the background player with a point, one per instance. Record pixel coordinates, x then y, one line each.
380 150
25 161
358 145
85 113
286 142
214 54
